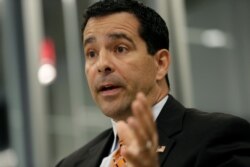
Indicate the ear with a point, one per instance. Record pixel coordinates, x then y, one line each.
162 60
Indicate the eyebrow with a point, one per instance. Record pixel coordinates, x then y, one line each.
115 36
89 40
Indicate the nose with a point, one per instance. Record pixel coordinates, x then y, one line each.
105 64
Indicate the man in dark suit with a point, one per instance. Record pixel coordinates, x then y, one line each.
126 48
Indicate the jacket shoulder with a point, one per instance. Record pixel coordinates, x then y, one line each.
216 127
214 119
79 154
220 139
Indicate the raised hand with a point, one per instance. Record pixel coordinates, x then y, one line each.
139 135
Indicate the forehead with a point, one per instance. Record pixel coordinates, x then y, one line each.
122 22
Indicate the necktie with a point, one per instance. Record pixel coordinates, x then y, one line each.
118 160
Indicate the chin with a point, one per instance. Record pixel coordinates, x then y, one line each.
110 113
116 113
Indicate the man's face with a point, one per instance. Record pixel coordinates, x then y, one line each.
117 64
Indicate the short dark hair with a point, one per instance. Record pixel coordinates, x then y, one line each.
153 29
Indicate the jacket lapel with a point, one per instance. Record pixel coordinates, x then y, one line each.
169 123
97 152
167 143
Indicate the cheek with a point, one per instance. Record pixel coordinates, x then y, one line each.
145 67
89 75
86 67
147 71
89 69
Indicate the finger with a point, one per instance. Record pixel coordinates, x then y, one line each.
148 114
132 159
140 112
130 148
147 139
149 120
137 159
139 133
143 114
142 145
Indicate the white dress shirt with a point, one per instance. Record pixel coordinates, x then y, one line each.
156 109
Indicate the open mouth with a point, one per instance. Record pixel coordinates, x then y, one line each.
108 88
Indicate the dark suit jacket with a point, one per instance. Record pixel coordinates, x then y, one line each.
192 139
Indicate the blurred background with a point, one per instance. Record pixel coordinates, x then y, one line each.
46 110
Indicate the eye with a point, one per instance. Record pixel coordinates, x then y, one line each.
121 49
91 54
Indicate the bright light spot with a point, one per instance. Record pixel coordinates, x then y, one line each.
214 38
8 158
46 74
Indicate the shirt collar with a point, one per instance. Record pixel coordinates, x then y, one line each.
156 109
